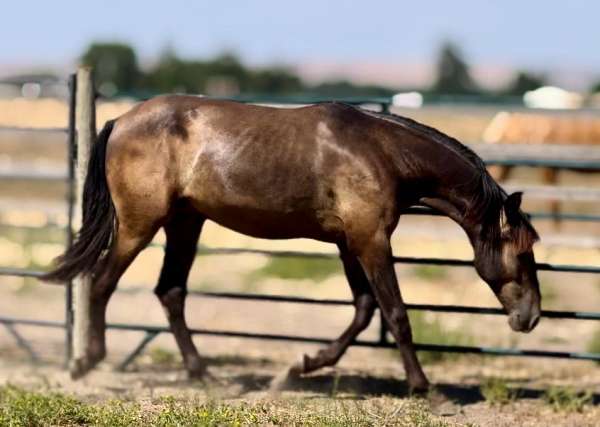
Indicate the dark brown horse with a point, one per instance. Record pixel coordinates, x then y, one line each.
330 172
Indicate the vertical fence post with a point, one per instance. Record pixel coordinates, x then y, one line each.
71 158
85 124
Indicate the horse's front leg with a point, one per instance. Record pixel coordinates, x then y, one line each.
364 304
376 259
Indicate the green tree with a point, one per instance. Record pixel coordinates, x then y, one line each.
115 67
453 76
595 87
224 74
523 82
277 80
344 88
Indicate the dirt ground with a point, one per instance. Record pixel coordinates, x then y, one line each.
245 369
253 373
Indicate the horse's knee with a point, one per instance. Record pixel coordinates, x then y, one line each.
400 322
171 299
365 308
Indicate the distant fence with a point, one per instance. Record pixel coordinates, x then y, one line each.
508 156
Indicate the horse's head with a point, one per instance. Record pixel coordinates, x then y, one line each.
504 259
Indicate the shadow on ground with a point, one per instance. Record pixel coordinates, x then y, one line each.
365 385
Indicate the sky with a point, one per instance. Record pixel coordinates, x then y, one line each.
531 34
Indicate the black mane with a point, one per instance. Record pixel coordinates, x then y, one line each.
488 197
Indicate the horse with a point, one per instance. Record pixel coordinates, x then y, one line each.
329 171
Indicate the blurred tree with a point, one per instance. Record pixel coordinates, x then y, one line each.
523 82
277 80
224 75
595 87
115 67
171 74
453 76
344 88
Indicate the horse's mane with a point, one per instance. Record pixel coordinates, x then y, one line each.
486 204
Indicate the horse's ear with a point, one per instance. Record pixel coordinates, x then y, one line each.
512 205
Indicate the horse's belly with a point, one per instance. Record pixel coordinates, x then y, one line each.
271 224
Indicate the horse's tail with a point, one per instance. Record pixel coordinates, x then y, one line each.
99 220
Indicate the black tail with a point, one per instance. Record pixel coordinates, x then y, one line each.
98 227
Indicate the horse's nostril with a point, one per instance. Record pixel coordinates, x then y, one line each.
534 321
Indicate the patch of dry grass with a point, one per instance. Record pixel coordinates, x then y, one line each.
28 408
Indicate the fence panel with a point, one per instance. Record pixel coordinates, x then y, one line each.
582 158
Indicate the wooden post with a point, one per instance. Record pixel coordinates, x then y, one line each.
85 125
71 159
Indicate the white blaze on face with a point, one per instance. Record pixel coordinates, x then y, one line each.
509 259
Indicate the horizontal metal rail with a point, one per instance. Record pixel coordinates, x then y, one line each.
440 308
20 272
32 322
422 210
374 344
155 330
566 268
34 129
29 176
541 163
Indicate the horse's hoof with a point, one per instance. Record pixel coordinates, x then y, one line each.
420 388
78 368
198 374
196 369
300 367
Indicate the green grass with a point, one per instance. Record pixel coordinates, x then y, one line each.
294 268
162 356
496 391
430 272
426 331
565 399
19 407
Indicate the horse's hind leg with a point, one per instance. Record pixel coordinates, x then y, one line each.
364 303
182 233
128 243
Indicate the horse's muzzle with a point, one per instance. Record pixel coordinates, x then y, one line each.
521 323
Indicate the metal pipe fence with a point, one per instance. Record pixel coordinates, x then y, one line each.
151 332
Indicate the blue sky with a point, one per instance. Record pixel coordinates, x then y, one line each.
521 33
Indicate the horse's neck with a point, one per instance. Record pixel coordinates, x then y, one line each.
457 178
454 198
